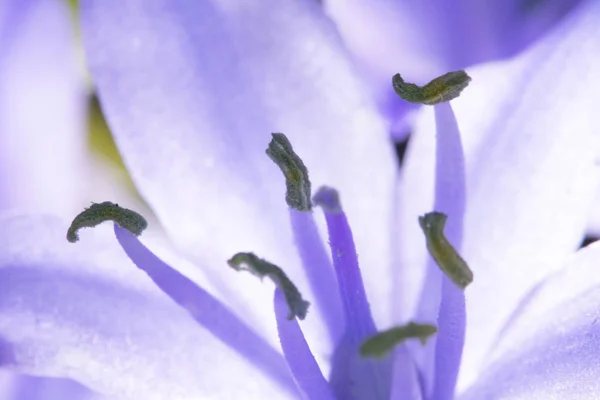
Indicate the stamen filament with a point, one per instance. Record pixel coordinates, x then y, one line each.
345 261
301 362
318 269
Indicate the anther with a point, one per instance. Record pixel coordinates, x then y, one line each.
382 343
298 307
296 175
444 254
106 211
441 89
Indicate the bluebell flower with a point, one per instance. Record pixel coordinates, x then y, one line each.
191 92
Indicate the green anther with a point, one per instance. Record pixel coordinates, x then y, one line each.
441 89
446 257
296 175
106 211
382 343
261 268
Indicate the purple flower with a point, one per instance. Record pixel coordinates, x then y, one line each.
191 92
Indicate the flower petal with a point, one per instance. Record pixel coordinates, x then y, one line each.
40 388
42 107
593 228
193 130
85 312
550 348
422 40
531 145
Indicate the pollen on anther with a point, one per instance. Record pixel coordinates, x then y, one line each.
106 211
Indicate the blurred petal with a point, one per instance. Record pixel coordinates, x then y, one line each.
531 145
40 388
406 385
424 39
550 349
593 228
6 381
85 312
42 107
193 130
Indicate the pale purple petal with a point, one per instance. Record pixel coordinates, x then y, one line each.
593 227
389 36
424 39
309 378
550 349
84 311
192 91
42 107
531 146
40 388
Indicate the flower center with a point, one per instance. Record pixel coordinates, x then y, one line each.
363 361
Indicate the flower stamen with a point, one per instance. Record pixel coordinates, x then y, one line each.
106 211
298 307
441 89
382 343
444 254
297 183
